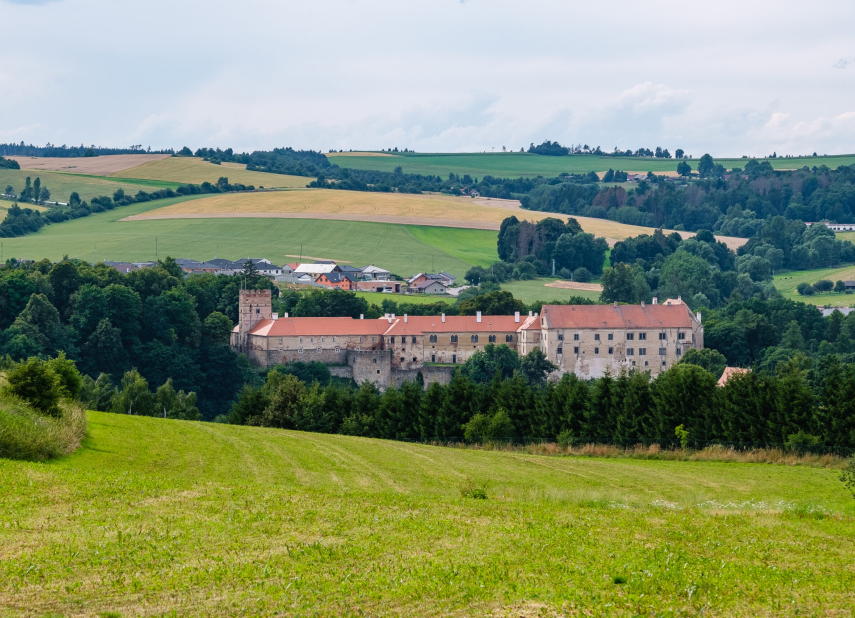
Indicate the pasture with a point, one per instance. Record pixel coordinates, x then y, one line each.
61 184
399 248
516 164
536 290
787 282
160 517
194 170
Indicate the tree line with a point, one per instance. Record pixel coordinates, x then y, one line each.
49 150
496 396
554 149
21 221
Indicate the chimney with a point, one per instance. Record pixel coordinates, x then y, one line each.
615 303
478 317
517 317
389 317
698 315
642 304
361 316
529 314
405 318
274 316
655 300
393 316
443 318
286 314
679 297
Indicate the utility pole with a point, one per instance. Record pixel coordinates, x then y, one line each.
155 246
301 252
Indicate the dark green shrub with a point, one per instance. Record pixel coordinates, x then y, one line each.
37 383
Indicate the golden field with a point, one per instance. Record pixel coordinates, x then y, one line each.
196 171
403 208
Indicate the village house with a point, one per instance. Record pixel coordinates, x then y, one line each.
339 281
376 274
429 286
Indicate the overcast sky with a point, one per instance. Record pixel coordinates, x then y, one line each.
729 78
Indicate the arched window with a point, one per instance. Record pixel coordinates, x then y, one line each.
509 338
474 338
433 338
454 339
491 338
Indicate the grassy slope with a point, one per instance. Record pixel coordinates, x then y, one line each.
522 164
197 171
418 299
530 291
61 184
396 247
152 516
787 283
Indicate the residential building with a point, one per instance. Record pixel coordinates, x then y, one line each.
388 287
430 286
316 270
442 277
339 281
375 273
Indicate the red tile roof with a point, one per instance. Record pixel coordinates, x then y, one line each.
729 372
622 316
291 327
416 325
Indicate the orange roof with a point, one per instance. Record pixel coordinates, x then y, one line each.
291 327
622 316
729 372
416 325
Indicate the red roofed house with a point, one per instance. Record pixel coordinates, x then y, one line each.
336 280
730 372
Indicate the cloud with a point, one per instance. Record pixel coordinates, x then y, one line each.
843 62
30 2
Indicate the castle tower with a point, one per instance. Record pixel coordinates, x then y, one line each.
253 306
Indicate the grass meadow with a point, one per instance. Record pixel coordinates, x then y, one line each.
196 171
516 164
399 248
787 282
420 299
159 517
534 290
61 184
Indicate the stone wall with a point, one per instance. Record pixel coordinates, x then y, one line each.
441 375
371 366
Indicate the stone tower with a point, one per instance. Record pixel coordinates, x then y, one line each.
254 306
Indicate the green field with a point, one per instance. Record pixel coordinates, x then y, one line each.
61 184
513 165
403 249
534 290
787 282
419 299
159 517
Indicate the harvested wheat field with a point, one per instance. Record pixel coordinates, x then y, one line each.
99 166
434 210
572 285
196 171
359 154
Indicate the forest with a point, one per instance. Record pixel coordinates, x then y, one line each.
49 150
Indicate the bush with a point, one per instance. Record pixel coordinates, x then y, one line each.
35 382
805 289
582 275
27 434
823 285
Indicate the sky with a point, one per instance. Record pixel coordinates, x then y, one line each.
728 78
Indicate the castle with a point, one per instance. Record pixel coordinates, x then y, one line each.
587 340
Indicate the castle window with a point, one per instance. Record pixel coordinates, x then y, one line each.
630 351
357 348
402 359
414 339
596 350
509 338
301 340
433 358
681 336
375 361
630 336
576 337
597 337
454 339
559 351
433 338
392 339
280 339
662 351
611 336
378 371
611 350
679 352
642 336
642 351
560 336
576 350
361 339
299 350
337 349
319 349
491 338
258 310
662 336
474 338
414 359
333 339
